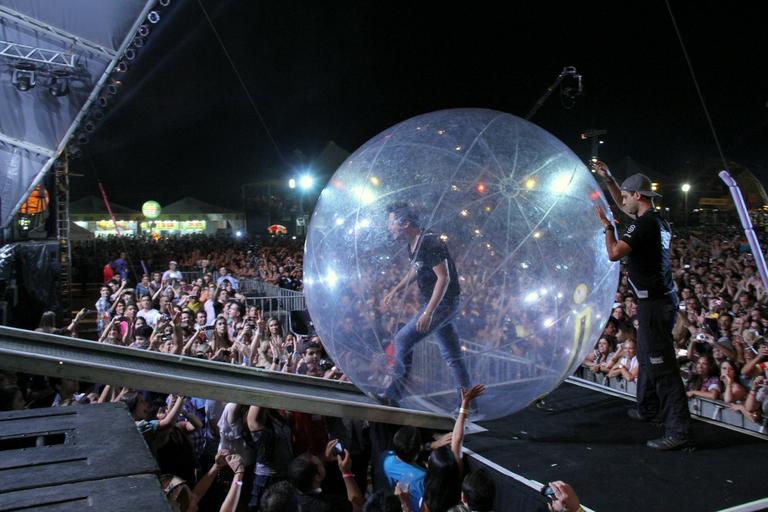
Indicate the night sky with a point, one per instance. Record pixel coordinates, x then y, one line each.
344 71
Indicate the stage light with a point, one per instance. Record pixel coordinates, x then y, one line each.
481 187
138 42
112 87
24 76
164 3
153 17
59 85
306 181
238 233
121 67
292 183
130 54
89 126
686 187
143 30
103 101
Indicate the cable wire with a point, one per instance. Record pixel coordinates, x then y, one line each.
696 84
242 82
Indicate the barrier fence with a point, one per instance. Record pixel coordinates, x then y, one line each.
715 410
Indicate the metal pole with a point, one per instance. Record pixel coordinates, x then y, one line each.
746 222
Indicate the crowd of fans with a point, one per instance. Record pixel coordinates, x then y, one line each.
720 329
278 262
234 457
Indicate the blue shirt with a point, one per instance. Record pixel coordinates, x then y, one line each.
398 471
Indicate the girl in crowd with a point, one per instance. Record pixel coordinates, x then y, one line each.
599 359
705 383
733 390
627 366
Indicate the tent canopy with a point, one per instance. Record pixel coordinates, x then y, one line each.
92 205
44 45
192 206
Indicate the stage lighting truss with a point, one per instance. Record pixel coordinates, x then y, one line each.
39 55
96 113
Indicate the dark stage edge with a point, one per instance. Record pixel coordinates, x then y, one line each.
591 443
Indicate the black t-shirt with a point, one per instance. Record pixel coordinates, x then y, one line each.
429 252
649 237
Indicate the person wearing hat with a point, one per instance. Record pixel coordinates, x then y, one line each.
646 241
171 273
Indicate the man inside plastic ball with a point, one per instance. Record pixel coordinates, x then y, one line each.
433 269
646 244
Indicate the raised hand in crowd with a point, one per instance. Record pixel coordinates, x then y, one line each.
565 498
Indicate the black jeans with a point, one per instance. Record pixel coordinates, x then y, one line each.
660 391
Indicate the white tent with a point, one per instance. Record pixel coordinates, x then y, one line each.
76 233
55 59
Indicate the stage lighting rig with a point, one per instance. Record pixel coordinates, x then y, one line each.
58 85
24 76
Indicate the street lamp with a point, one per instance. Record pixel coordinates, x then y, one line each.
686 188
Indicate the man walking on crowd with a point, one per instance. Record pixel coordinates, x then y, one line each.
660 393
434 270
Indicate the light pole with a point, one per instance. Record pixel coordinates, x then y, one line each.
304 182
686 188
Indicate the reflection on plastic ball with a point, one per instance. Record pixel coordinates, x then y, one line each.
513 207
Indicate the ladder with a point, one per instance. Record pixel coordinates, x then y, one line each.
61 190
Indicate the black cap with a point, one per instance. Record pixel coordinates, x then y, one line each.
639 183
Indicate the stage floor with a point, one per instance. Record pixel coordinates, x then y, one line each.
589 442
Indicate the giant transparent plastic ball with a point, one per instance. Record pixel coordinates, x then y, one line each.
515 208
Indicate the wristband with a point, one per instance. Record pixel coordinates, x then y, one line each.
348 475
237 482
464 411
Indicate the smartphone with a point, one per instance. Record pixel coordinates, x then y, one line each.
548 492
208 328
338 448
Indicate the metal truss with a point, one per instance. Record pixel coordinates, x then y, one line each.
57 33
32 54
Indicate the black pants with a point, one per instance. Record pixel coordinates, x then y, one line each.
660 391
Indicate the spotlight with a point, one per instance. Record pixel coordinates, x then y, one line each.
130 54
143 30
74 151
59 85
103 101
138 41
121 67
89 126
164 3
83 139
112 87
153 17
98 114
24 76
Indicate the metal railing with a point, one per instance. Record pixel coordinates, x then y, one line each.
274 301
61 356
712 410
